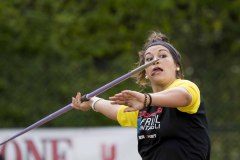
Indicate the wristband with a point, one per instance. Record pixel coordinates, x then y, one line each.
145 100
95 100
150 99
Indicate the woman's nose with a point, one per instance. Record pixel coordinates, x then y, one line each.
157 62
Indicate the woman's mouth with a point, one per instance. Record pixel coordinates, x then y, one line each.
156 70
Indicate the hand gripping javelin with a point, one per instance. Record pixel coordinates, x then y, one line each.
84 98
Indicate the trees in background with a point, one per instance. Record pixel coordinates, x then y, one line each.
52 49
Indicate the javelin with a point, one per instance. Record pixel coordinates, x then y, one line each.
84 98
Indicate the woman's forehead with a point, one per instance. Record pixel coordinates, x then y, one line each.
156 48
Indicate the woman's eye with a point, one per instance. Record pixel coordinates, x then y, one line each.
163 56
148 59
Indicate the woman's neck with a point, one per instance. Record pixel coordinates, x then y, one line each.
161 86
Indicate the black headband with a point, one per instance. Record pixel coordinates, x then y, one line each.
175 54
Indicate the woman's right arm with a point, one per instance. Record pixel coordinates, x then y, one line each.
100 105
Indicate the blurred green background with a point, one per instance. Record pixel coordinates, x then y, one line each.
49 50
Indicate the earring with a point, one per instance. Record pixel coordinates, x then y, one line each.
178 69
146 77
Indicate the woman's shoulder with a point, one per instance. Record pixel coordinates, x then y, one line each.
184 83
180 82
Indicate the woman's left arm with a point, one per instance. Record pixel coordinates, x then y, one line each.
173 98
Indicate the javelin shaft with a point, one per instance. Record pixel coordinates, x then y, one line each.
41 122
116 81
84 98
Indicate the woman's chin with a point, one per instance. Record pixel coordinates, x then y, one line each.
157 79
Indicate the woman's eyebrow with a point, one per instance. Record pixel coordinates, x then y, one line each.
147 53
163 50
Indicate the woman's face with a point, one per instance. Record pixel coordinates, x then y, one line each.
163 72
